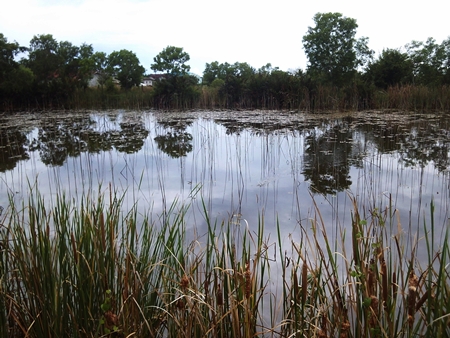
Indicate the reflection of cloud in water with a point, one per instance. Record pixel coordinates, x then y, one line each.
256 172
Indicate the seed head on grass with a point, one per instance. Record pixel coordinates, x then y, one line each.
413 283
219 296
371 281
345 328
323 327
111 321
304 282
374 311
248 280
423 299
184 283
394 285
74 247
384 282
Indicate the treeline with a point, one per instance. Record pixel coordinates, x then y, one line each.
52 74
342 74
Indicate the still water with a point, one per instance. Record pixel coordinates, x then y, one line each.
241 166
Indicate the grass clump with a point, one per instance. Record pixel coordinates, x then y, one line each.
95 270
368 283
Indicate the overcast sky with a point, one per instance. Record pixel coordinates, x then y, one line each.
256 32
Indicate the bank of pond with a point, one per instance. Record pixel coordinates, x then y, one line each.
293 95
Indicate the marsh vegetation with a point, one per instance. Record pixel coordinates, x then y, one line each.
224 224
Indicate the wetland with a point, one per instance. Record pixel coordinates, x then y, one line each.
244 162
224 223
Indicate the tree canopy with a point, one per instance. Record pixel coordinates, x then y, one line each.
171 60
430 61
124 66
341 72
332 49
15 79
392 68
178 86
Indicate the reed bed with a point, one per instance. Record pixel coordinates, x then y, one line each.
413 98
94 269
299 96
329 98
113 98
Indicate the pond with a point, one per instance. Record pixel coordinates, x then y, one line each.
238 165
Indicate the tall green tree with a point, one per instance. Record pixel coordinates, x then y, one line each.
391 68
74 70
333 52
238 77
213 71
15 79
178 87
43 59
430 61
235 80
98 63
8 52
60 68
125 67
446 47
171 60
86 64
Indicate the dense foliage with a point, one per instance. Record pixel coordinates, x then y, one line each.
342 73
332 50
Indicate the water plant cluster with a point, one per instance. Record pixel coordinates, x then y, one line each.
97 269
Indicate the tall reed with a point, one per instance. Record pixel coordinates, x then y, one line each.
376 289
97 270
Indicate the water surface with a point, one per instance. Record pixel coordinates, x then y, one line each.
243 166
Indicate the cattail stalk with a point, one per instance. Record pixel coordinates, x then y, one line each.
304 282
413 283
219 296
248 280
384 282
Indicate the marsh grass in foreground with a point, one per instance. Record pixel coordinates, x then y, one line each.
91 270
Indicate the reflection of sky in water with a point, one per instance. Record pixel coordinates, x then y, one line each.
242 176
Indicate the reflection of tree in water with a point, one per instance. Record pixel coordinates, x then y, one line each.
233 126
58 140
418 141
326 159
176 142
328 155
427 144
178 124
329 150
96 142
385 137
13 144
130 139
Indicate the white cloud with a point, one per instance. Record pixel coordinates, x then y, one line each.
257 32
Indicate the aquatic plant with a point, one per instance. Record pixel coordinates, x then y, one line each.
96 270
